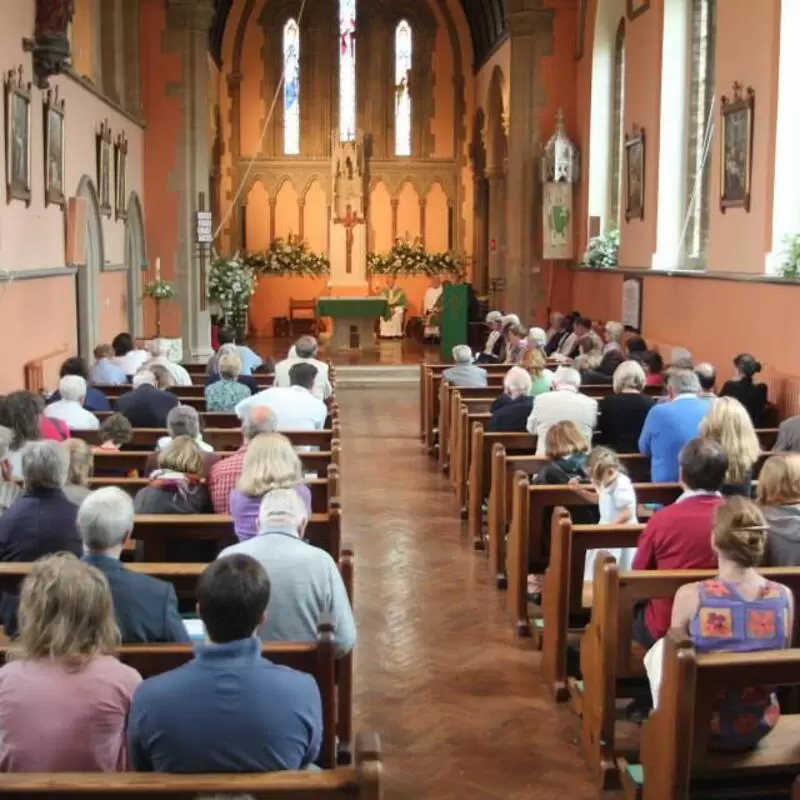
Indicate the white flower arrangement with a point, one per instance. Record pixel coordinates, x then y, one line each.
603 251
159 289
290 256
231 283
407 258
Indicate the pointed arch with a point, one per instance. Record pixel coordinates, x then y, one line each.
88 273
135 262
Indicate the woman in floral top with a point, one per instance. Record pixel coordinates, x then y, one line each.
227 392
738 611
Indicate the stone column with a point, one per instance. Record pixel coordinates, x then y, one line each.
496 179
530 28
188 22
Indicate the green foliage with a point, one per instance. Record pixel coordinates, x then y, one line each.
790 268
290 256
406 258
231 284
603 251
159 289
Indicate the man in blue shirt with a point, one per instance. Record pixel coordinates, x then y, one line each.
250 360
229 709
670 425
104 371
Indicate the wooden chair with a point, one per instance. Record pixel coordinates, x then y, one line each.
611 662
675 762
526 542
363 781
302 316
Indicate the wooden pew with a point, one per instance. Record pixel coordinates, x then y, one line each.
155 531
195 390
363 781
208 419
136 460
448 405
611 662
221 439
525 540
675 762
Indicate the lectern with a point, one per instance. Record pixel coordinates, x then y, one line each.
353 321
454 318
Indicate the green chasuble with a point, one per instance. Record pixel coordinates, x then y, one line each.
395 298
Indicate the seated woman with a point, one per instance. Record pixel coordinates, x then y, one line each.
9 489
728 424
494 341
511 410
516 343
739 611
654 368
64 696
81 464
224 394
603 374
635 346
184 421
270 463
621 415
753 396
212 369
778 495
162 375
612 336
541 378
115 432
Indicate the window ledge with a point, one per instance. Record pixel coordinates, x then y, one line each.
647 272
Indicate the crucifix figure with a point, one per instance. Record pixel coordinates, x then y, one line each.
348 222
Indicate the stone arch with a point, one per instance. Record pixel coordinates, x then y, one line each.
496 151
480 231
495 121
135 262
87 282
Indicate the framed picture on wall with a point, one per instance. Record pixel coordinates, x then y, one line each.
736 159
104 168
121 177
637 8
54 149
634 174
18 137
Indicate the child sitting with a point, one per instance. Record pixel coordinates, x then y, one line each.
614 494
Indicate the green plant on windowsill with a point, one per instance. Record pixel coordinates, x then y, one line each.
790 266
602 251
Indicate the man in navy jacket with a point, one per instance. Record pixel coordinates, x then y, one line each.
146 406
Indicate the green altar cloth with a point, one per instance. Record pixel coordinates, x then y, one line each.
351 307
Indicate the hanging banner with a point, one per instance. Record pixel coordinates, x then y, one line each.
557 223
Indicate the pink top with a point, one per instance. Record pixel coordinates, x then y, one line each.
52 720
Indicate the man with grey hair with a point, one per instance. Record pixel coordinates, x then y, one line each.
69 409
146 406
681 359
464 373
145 607
493 349
707 375
511 410
305 580
184 421
225 474
42 520
305 350
159 348
564 404
669 426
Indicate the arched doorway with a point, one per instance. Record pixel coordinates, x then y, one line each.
135 260
87 280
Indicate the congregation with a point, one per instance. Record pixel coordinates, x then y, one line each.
71 514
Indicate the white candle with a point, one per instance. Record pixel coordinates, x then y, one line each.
158 269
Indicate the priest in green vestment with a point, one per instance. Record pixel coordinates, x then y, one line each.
392 322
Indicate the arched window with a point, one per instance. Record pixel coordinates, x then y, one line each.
347 70
618 126
291 88
701 129
402 79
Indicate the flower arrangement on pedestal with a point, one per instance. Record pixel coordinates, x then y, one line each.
231 283
290 256
407 258
603 251
159 291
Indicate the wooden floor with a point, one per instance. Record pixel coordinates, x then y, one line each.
389 353
456 698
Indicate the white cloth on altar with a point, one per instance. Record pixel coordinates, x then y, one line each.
393 327
432 295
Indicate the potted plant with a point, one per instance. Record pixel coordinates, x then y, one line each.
231 284
159 290
603 251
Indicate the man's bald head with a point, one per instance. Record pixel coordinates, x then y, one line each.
260 419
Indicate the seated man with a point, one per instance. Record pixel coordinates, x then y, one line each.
250 360
95 400
159 348
146 608
146 406
464 373
511 410
69 409
679 536
126 356
305 580
584 331
305 351
225 474
392 323
104 371
564 403
431 308
707 376
295 407
229 709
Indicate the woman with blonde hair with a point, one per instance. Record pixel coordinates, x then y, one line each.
738 611
81 466
541 378
612 336
270 463
728 424
778 495
64 697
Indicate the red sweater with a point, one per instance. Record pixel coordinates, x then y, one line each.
677 537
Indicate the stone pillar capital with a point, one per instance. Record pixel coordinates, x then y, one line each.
528 18
194 15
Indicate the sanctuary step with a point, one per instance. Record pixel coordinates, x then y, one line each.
377 376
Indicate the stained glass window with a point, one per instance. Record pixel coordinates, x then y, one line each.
291 88
402 89
347 70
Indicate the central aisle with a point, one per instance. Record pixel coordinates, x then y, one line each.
439 675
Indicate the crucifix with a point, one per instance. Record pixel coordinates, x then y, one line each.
348 222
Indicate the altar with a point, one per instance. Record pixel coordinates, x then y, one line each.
353 321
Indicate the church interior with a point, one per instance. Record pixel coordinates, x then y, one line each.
380 175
